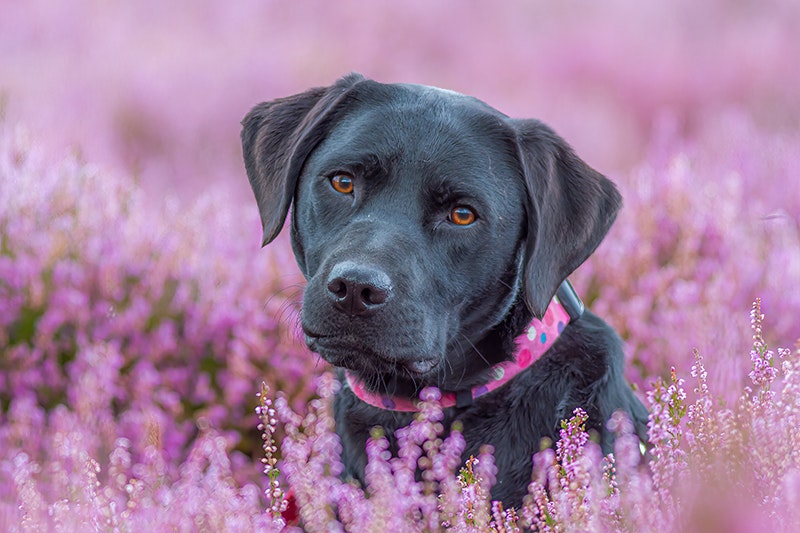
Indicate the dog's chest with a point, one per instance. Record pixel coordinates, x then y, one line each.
511 428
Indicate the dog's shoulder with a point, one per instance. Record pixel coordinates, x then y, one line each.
586 367
583 368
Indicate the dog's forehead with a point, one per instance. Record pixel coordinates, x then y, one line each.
417 122
429 89
409 94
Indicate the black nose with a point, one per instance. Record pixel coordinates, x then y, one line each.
358 289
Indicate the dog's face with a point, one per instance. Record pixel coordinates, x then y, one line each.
425 222
410 229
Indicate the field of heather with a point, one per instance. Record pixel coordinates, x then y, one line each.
139 316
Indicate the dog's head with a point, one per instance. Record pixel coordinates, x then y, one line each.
430 226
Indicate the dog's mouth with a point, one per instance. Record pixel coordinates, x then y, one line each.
367 361
422 366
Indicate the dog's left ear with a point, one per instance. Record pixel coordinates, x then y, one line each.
571 208
278 136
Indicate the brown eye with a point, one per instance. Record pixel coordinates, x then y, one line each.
342 183
463 216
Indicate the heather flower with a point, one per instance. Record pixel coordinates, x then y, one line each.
276 497
473 504
311 459
764 371
574 479
665 432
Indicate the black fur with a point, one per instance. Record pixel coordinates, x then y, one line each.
404 297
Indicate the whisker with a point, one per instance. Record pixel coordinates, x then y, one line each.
463 367
287 292
506 284
450 363
476 350
287 307
414 382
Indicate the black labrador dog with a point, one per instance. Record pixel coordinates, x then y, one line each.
434 232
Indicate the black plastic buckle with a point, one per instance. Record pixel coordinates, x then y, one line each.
463 398
572 303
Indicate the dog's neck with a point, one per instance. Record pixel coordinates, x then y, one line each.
537 338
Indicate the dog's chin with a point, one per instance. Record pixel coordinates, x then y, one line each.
373 367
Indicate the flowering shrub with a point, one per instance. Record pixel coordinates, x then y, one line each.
133 335
711 468
705 229
150 312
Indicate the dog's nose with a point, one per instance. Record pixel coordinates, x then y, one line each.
358 289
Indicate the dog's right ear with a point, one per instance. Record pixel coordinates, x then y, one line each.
278 136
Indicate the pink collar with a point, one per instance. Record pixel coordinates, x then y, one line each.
537 339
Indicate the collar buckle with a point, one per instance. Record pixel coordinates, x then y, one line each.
464 398
572 303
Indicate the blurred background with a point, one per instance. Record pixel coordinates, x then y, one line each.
133 290
155 90
693 108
